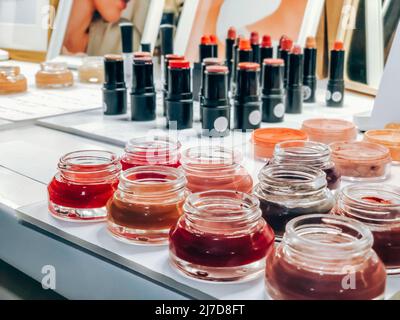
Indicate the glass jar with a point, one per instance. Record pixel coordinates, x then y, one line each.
156 150
325 257
264 140
330 130
221 237
54 75
85 181
11 80
307 153
215 168
389 138
361 161
288 191
147 204
91 70
378 207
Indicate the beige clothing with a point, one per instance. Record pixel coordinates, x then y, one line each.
105 38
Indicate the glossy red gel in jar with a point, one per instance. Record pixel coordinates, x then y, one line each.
156 150
325 257
215 168
221 237
85 181
378 207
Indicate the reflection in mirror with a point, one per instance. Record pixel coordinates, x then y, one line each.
370 40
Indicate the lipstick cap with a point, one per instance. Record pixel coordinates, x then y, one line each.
167 39
126 36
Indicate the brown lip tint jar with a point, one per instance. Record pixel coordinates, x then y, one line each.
147 204
377 207
389 138
221 237
85 181
215 168
307 153
11 80
325 257
329 130
361 161
54 75
155 150
288 191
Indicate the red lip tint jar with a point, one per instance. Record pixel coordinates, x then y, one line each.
307 153
147 204
325 257
289 191
377 207
221 237
157 150
215 168
85 181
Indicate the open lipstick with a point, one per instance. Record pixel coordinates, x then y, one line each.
273 107
255 46
167 59
215 108
206 50
143 95
207 62
235 62
214 45
286 46
266 51
229 43
294 90
114 88
335 91
310 69
247 105
179 101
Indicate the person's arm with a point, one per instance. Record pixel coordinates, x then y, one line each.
76 36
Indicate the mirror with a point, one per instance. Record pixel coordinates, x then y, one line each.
368 38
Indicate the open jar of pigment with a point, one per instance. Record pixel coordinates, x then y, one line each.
11 80
215 168
155 150
330 130
288 191
54 75
221 237
325 257
361 161
378 207
307 153
91 70
147 204
85 181
389 138
264 140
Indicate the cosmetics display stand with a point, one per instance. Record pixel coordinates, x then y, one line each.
118 131
41 103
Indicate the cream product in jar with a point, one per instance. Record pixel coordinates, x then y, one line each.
361 161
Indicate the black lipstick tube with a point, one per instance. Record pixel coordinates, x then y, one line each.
215 108
310 78
335 91
247 104
273 93
145 47
229 44
284 55
244 54
207 62
165 78
206 50
255 47
114 88
166 45
179 100
294 90
143 94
